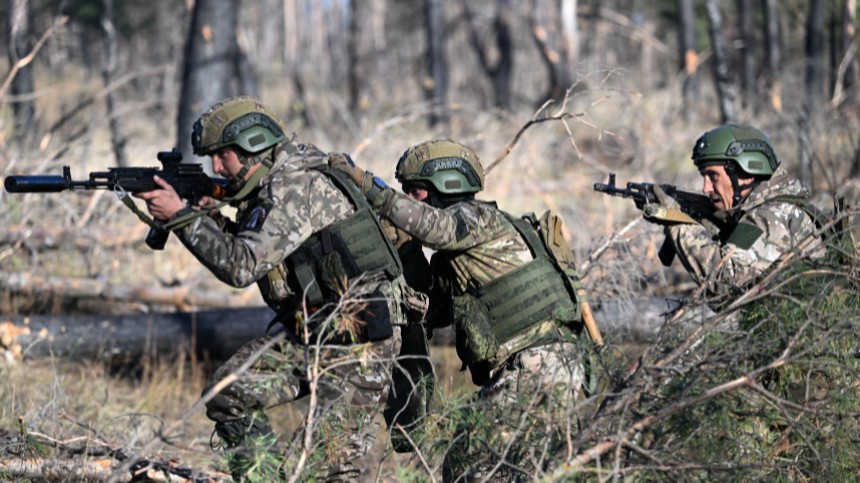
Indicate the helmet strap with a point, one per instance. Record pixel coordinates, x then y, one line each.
238 181
737 188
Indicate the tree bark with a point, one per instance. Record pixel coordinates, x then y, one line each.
849 17
542 19
725 90
118 133
815 54
570 32
774 61
814 86
436 84
748 75
805 146
210 54
500 72
689 58
361 13
18 28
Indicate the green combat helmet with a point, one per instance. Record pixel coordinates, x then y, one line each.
748 147
451 169
242 123
737 147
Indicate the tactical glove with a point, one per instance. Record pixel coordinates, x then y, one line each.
345 164
664 200
666 211
397 236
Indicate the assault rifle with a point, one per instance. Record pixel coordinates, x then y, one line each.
189 181
694 208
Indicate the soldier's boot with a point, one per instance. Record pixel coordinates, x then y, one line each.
344 473
252 449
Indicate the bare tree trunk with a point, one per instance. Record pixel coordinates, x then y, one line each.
725 90
689 58
500 73
832 8
748 85
849 16
18 28
357 50
814 86
806 173
437 81
646 64
244 73
210 54
774 62
815 53
570 32
118 133
543 29
291 33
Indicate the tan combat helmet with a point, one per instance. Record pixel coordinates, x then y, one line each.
451 168
243 122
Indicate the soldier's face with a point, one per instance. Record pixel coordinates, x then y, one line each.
226 163
718 186
416 193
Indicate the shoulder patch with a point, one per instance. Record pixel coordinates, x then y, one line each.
745 235
256 216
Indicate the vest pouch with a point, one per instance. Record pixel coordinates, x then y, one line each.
551 234
477 342
376 318
372 323
323 267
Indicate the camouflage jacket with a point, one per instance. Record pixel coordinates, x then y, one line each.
774 227
291 203
477 241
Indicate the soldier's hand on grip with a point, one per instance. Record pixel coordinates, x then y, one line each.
161 203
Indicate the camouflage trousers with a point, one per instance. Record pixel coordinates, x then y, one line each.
528 399
353 386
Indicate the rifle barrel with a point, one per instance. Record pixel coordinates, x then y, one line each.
34 184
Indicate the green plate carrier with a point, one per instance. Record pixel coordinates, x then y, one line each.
362 237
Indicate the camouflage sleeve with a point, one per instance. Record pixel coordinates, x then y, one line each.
782 226
287 211
456 228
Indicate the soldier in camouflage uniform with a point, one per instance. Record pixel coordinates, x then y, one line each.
514 318
763 211
305 237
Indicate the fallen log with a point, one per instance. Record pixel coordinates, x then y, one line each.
47 237
216 334
219 333
185 298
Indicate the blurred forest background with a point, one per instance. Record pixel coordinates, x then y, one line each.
631 85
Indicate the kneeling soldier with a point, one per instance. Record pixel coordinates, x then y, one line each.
515 306
303 235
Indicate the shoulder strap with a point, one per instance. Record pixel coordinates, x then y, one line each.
526 227
348 188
